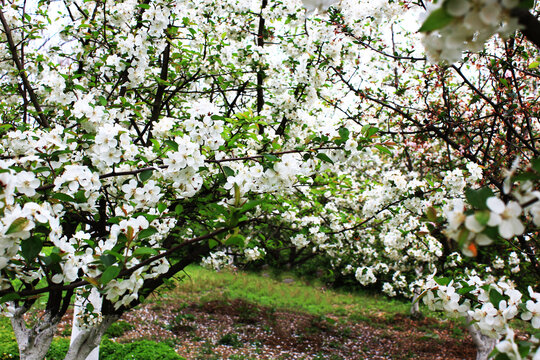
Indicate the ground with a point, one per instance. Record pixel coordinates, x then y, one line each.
236 329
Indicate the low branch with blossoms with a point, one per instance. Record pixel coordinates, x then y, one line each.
509 219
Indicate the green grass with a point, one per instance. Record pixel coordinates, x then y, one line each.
198 285
109 350
203 285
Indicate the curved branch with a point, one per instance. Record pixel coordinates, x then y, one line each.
42 120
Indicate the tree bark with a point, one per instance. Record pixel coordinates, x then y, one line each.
87 340
33 342
415 306
95 300
484 344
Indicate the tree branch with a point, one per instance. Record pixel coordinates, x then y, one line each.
530 23
42 119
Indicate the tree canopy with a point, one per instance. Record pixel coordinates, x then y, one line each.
139 137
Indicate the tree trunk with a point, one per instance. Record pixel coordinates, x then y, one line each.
95 300
33 342
484 344
87 340
415 307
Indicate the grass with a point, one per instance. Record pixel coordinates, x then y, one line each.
199 284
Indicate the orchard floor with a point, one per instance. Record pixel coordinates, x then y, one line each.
236 329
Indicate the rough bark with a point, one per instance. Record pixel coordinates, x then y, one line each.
33 342
415 306
484 344
87 340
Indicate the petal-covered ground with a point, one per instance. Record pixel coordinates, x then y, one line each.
236 329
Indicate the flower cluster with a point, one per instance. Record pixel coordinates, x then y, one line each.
489 306
453 26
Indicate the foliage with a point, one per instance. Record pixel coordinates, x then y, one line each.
230 339
145 136
205 285
8 345
140 350
118 328
58 349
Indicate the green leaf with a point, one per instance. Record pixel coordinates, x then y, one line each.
535 163
465 290
482 217
161 207
147 232
534 65
495 297
344 134
431 214
107 259
463 236
501 356
17 225
478 198
179 209
324 157
145 175
370 130
80 197
228 171
524 348
236 240
110 273
270 157
436 20
117 255
102 101
491 231
63 197
250 205
51 260
41 169
526 4
525 176
443 281
383 149
212 243
5 127
9 297
145 251
114 220
31 247
172 144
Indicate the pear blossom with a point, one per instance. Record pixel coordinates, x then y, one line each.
27 183
505 217
533 313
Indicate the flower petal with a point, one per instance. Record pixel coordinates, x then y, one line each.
495 204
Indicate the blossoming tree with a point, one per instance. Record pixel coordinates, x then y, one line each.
139 137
